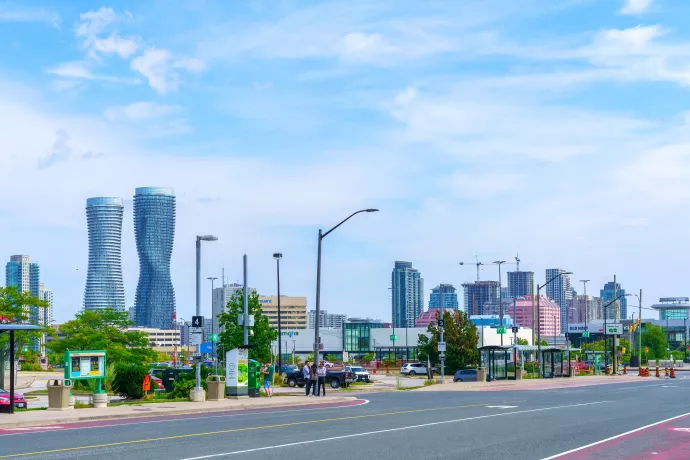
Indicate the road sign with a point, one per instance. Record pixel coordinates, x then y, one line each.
516 329
442 347
393 337
501 329
585 334
214 337
197 321
196 355
614 329
206 348
195 338
441 323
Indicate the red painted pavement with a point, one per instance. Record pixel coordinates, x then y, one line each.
564 383
666 441
166 418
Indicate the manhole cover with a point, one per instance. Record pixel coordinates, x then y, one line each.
143 410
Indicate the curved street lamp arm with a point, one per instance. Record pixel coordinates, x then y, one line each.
553 278
614 300
346 219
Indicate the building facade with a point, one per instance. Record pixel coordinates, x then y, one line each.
618 309
154 231
481 297
445 293
583 309
161 340
221 297
549 317
673 308
104 286
293 311
559 290
25 275
520 284
407 294
327 320
426 318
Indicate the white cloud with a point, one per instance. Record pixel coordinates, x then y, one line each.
94 23
82 70
636 7
158 66
8 13
140 111
114 44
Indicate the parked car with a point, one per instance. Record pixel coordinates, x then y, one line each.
334 378
158 383
287 368
465 375
19 401
160 365
360 372
412 369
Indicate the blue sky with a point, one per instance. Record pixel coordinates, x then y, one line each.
557 129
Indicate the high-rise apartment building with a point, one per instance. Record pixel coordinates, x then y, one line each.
326 320
446 293
407 295
560 290
611 291
581 308
481 297
104 286
293 311
154 230
520 284
23 274
221 297
45 314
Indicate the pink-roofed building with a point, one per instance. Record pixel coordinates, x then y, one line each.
548 308
427 317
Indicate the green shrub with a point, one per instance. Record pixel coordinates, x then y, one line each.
428 382
186 381
128 380
531 367
31 367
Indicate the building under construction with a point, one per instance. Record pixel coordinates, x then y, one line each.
481 297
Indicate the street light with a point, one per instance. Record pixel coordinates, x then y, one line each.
613 357
317 339
539 288
584 284
639 317
277 256
197 392
500 296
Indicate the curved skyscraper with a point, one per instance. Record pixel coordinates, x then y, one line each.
154 230
104 287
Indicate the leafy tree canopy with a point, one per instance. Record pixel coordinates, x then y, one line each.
654 338
460 336
233 334
15 307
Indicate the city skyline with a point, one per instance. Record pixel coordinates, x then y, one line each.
497 115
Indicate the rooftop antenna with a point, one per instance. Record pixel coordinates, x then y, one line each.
517 259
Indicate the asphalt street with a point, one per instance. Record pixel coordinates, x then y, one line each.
399 425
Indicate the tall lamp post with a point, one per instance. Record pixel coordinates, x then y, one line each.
317 338
613 355
539 288
500 296
213 324
584 284
197 392
277 256
639 343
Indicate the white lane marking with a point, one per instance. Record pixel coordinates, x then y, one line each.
502 407
114 425
33 428
615 437
390 430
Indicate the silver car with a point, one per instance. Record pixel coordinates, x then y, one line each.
414 369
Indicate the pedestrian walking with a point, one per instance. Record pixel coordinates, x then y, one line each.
321 373
267 371
306 372
314 378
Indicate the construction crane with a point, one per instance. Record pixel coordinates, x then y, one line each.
517 259
477 263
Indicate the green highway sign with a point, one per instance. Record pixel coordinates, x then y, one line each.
501 329
585 334
214 337
393 337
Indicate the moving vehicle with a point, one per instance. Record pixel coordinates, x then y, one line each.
334 378
465 375
19 401
360 372
413 369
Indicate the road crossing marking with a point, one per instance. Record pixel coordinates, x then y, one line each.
502 407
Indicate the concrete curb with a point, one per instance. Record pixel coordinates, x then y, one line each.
205 410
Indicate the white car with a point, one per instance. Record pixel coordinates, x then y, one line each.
360 372
414 369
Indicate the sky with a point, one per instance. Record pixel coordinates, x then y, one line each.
556 129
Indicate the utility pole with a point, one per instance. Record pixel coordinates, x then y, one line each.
584 283
639 316
500 296
443 354
245 319
213 324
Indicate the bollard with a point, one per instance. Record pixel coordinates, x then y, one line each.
673 373
665 371
625 370
657 372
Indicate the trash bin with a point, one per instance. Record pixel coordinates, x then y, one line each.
216 387
481 374
254 381
59 394
170 376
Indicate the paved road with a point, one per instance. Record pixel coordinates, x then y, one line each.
400 425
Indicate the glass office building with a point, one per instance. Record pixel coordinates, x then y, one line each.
154 231
104 286
356 335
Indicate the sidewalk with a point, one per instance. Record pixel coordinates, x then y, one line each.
45 417
537 384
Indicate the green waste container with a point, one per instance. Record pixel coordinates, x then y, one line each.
255 380
170 376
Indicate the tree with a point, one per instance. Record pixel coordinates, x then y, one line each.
655 339
460 336
105 329
16 307
233 334
369 357
521 341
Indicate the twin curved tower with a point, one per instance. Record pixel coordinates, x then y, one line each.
154 231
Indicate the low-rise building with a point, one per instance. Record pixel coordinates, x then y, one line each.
293 311
161 340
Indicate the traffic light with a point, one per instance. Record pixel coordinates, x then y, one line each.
623 350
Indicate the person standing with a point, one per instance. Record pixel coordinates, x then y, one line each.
306 372
313 378
268 379
321 373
